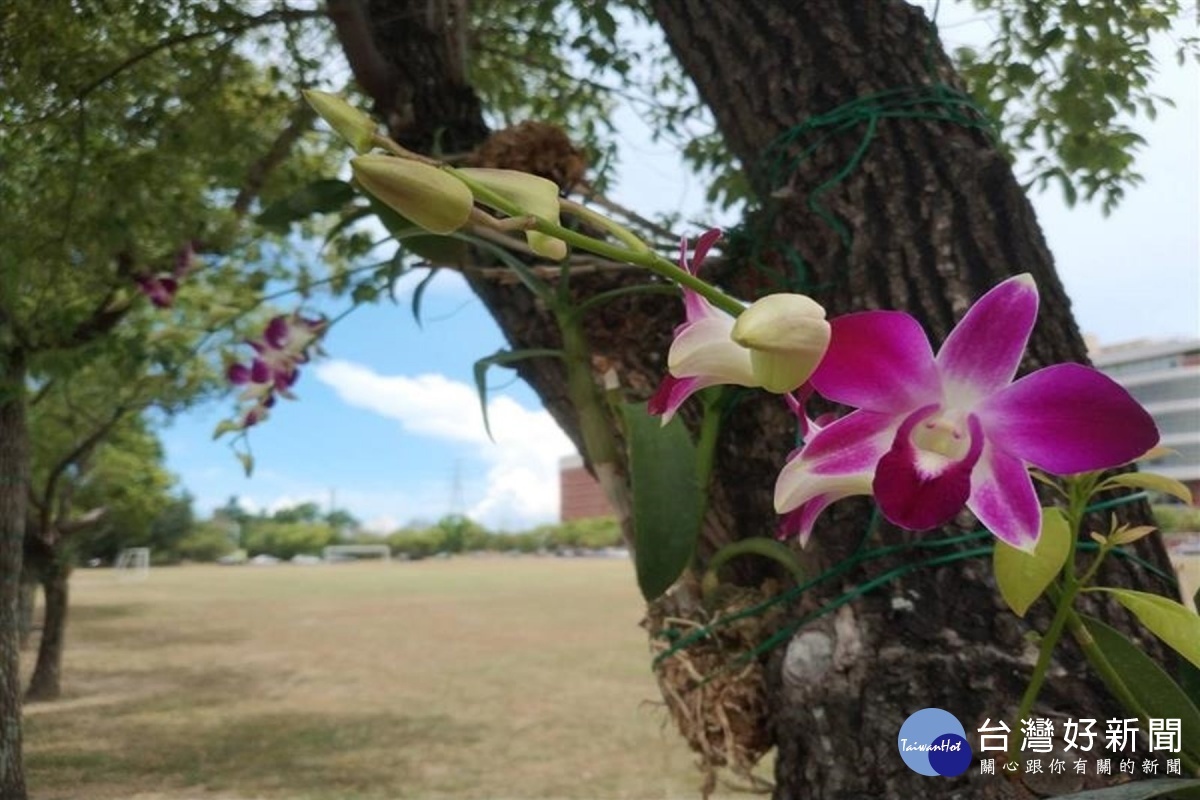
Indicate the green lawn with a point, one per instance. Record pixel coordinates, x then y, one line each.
466 678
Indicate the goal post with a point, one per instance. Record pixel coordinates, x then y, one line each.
133 564
354 552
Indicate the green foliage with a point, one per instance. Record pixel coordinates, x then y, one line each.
208 541
1023 577
662 464
1177 518
286 539
1175 624
1067 79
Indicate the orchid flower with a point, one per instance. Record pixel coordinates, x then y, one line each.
932 434
774 344
160 289
284 345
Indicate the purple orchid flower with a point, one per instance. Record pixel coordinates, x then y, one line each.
284 345
932 434
161 289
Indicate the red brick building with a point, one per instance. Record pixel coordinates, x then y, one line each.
579 494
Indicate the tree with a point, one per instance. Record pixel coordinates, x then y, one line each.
156 99
908 203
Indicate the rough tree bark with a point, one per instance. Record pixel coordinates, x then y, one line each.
931 217
53 570
14 484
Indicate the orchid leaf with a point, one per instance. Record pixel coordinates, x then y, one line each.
1139 790
503 358
755 545
419 294
1151 481
442 250
1158 695
225 426
319 197
1170 621
1021 576
667 499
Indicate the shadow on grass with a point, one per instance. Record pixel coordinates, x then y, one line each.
290 753
104 613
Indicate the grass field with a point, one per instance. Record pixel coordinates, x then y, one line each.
464 678
469 678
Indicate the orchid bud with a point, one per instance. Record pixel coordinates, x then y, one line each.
351 124
433 199
533 195
787 336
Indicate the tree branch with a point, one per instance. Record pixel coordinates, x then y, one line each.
371 70
256 176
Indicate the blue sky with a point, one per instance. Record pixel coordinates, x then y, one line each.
389 423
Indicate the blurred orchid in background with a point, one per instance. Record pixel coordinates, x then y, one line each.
285 345
160 289
932 434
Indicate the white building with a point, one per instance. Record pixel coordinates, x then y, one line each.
1164 376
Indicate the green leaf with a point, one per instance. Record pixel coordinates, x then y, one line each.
318 197
1021 576
1139 790
419 294
667 499
503 358
1158 695
754 545
1153 482
247 462
1176 625
225 426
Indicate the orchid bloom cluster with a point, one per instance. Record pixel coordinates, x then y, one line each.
285 345
930 433
160 289
775 344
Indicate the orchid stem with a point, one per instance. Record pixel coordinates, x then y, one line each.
629 255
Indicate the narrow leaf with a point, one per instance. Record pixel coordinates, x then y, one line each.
760 546
419 294
503 358
1158 695
1153 482
1021 576
1139 790
1175 624
247 462
667 499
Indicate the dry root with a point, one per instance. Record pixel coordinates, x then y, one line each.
713 688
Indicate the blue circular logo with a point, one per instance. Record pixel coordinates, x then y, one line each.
933 742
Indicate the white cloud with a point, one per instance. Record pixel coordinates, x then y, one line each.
521 464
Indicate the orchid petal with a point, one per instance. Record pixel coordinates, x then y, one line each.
798 523
704 243
672 393
260 372
1068 418
917 490
982 353
276 333
238 374
838 460
1003 498
879 361
704 348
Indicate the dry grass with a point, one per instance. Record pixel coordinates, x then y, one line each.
467 678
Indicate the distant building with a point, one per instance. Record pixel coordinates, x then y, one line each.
1164 376
580 495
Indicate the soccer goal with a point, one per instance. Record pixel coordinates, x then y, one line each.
133 564
354 552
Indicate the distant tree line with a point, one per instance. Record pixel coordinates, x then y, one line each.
176 535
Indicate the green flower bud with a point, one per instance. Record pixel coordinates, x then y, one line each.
351 124
533 195
430 197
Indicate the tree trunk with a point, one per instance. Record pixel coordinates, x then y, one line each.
918 211
26 608
924 216
14 484
46 681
